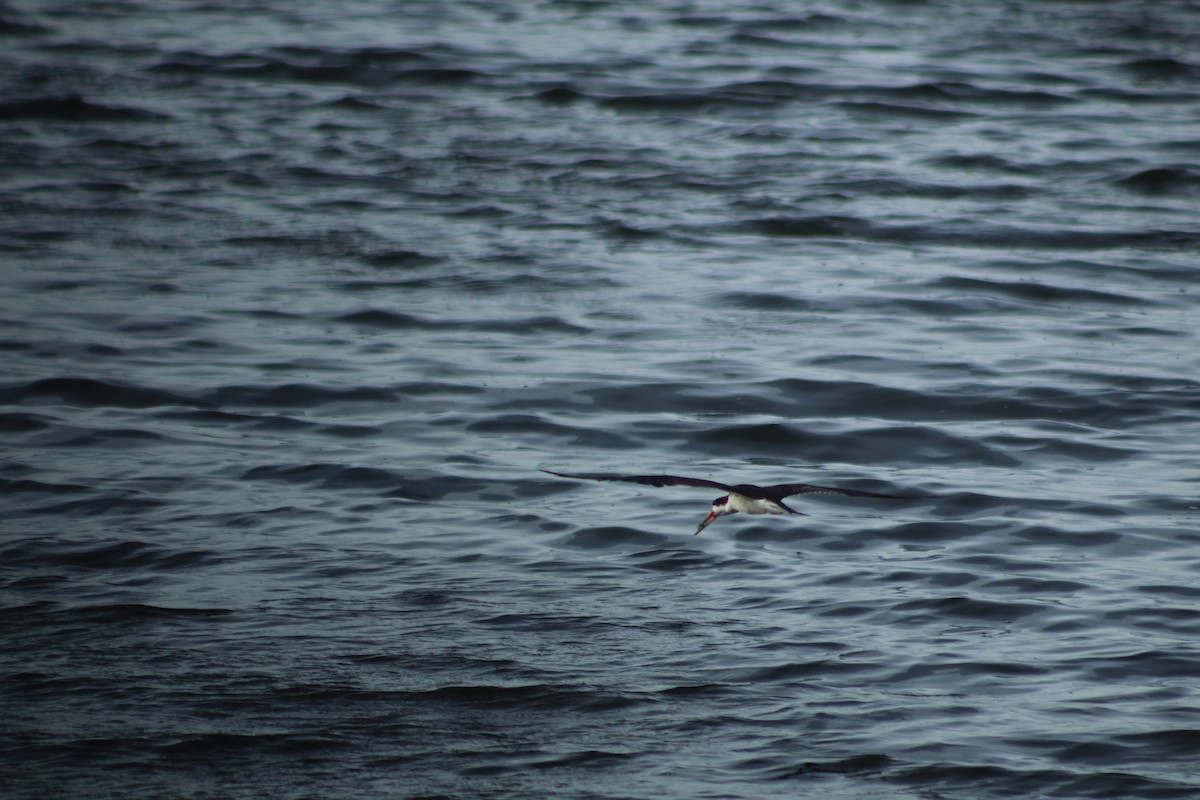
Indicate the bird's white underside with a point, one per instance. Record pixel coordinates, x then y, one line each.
748 505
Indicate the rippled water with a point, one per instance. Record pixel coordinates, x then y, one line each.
300 298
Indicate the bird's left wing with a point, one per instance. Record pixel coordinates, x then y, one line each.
648 480
788 489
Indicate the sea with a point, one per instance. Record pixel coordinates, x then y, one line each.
298 300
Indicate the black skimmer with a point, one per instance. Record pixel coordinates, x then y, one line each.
744 497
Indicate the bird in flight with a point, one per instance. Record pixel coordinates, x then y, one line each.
744 497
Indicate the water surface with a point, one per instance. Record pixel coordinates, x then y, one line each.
300 299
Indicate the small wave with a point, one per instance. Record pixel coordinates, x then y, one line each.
923 612
132 555
399 321
366 54
1036 291
1162 181
298 395
960 92
899 187
398 259
976 780
868 764
330 476
89 392
1035 587
105 504
972 400
1048 535
531 425
978 162
377 318
208 746
1161 69
892 446
1176 620
369 67
676 102
386 483
764 301
904 111
1154 664
11 25
24 423
525 697
561 96
611 536
970 233
130 612
483 284
73 108
111 438
666 559
8 486
1065 448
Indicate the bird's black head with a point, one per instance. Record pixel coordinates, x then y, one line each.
720 508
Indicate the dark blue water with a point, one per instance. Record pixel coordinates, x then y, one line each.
299 297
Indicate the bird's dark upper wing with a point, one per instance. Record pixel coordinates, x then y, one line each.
648 480
782 490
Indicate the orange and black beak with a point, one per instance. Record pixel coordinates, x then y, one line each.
707 521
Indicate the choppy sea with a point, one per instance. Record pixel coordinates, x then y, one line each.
298 299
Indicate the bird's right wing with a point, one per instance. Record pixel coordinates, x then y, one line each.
647 480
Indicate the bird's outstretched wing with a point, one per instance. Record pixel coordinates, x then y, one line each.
782 490
648 480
